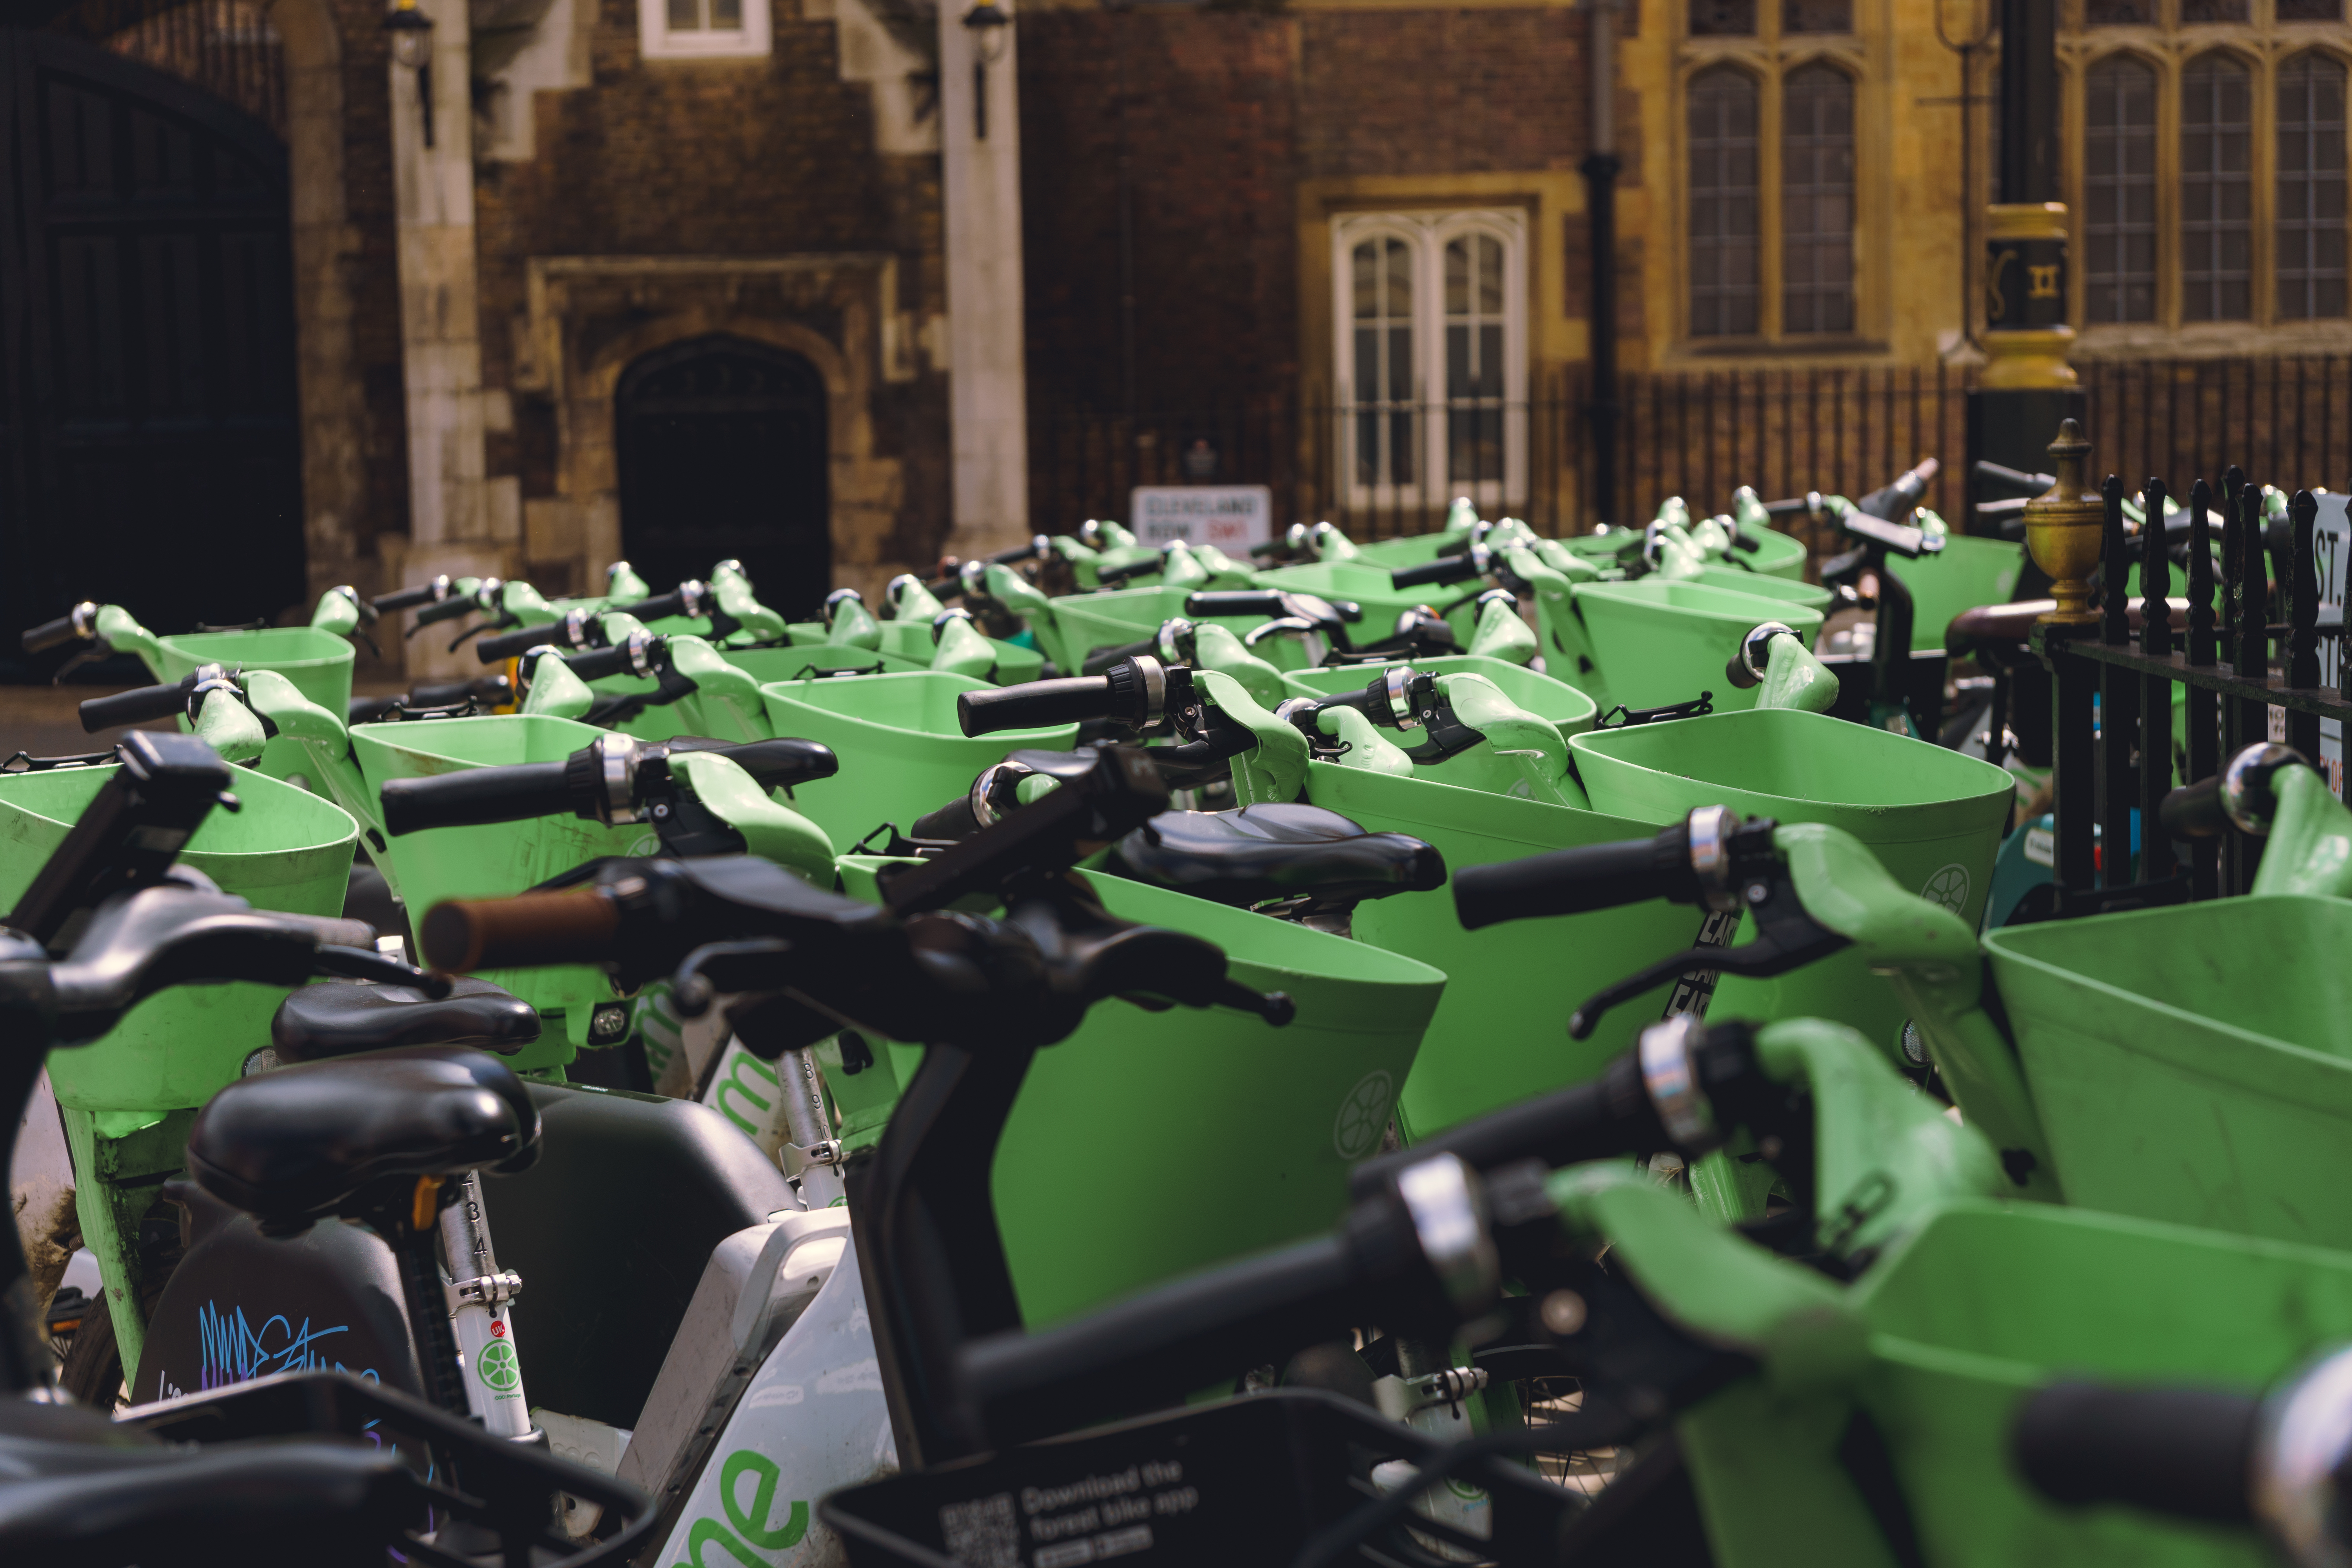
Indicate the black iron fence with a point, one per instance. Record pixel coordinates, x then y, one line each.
2247 647
1394 469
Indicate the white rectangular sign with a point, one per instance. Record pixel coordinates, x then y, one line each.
2331 546
1231 517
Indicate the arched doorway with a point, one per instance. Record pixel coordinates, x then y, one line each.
722 451
149 448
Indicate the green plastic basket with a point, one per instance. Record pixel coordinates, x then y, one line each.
503 858
1148 1145
1556 701
1933 817
318 662
286 849
1501 1030
1655 643
1966 573
1765 585
1084 622
901 750
1410 550
1988 1303
912 641
1368 584
1776 553
2173 1079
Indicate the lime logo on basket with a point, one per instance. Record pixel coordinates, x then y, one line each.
1949 887
1363 1116
497 1365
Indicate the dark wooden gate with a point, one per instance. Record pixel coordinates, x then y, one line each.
149 454
722 453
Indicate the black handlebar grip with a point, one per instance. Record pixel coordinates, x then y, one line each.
1036 705
510 644
1602 1120
449 609
1027 1384
447 693
470 798
2184 1452
1102 658
598 663
369 710
1569 882
2194 811
661 607
2017 477
51 634
135 706
780 763
1234 602
951 821
1126 569
1433 574
406 598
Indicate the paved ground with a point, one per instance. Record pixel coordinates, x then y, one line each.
45 721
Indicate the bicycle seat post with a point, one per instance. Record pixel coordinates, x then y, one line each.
482 1328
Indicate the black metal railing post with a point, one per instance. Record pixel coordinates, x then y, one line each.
2303 634
2252 715
2118 700
2155 690
2203 703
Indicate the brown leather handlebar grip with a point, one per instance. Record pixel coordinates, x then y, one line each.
526 932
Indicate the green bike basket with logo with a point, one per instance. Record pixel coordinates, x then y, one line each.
1149 1144
1933 817
499 859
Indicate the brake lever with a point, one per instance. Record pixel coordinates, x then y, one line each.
724 966
1786 938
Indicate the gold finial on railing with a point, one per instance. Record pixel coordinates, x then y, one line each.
2064 528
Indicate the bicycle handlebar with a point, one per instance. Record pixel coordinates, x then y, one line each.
136 706
2194 810
1388 1257
1444 569
1131 691
71 626
509 645
414 598
779 764
598 663
474 797
2184 1452
448 609
1267 602
573 926
1576 881
2016 478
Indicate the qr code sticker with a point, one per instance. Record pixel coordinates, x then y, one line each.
983 1533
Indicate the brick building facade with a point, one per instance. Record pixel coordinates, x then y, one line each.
1337 247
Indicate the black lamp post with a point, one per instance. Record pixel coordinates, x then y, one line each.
987 21
412 45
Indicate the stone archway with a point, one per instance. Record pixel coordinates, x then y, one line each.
721 453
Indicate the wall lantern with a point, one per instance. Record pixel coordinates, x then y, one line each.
987 21
412 45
